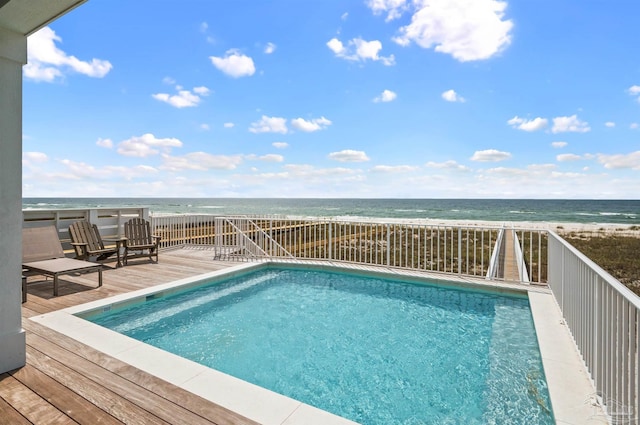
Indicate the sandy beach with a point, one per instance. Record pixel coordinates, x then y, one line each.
585 229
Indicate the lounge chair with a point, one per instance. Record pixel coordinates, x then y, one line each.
42 254
87 242
140 241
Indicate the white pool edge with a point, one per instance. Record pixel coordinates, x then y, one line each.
570 388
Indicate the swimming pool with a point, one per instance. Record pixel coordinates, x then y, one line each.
369 349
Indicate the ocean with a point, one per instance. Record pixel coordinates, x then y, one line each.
625 212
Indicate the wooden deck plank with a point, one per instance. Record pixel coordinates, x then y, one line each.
30 405
9 415
96 393
141 396
68 376
204 408
63 398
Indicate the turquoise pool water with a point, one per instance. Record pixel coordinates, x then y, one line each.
372 350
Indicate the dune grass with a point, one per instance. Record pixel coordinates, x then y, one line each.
618 255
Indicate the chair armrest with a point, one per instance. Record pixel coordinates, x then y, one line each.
157 238
79 243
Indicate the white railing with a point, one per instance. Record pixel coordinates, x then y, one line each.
495 264
463 250
604 319
110 221
601 313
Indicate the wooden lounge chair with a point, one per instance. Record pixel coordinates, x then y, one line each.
42 254
137 231
87 242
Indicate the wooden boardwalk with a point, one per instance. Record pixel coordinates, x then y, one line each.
510 263
66 382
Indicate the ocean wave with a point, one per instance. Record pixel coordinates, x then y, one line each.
212 206
522 212
408 210
609 213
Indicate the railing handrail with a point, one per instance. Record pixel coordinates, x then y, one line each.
522 270
493 262
612 281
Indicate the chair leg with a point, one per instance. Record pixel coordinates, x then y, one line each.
55 285
100 277
24 289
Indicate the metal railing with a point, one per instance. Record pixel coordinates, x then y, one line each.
601 313
604 319
463 250
110 221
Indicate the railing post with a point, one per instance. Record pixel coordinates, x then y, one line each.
388 245
459 250
330 241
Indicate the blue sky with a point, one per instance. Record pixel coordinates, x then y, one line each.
335 98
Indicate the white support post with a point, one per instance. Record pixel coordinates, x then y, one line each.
13 54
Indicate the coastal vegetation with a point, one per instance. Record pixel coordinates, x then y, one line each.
617 253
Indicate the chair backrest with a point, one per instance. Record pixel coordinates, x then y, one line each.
41 243
138 232
84 232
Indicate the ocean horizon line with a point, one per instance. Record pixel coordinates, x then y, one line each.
625 212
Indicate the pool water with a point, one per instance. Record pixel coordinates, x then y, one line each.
372 350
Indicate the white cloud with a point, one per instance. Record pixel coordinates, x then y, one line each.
146 145
452 96
336 46
559 145
46 62
205 127
349 155
569 124
267 158
269 48
360 50
200 161
634 126
310 126
386 96
610 124
184 98
490 155
634 91
201 90
228 125
393 8
344 16
393 168
468 30
451 165
105 143
204 27
29 158
528 125
630 160
565 157
280 145
269 125
234 64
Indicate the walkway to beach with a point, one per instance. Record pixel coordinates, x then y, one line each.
509 263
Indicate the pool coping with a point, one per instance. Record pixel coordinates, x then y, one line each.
570 388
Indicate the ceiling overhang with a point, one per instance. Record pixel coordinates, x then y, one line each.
28 16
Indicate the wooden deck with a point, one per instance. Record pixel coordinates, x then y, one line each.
66 382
